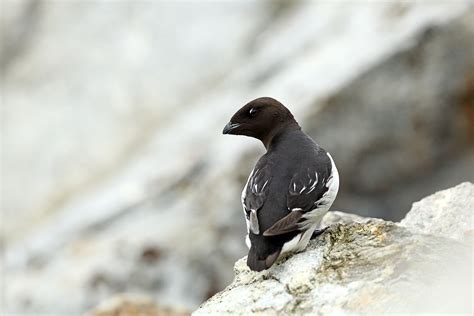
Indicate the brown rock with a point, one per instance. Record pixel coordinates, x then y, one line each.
131 305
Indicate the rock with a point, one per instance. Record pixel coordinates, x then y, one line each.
374 268
133 305
448 213
18 27
101 100
410 130
336 217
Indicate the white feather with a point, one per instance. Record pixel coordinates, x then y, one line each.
313 218
301 191
254 222
247 241
244 191
291 245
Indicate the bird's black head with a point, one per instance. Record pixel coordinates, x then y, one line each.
261 118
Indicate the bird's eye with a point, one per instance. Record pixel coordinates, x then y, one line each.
252 112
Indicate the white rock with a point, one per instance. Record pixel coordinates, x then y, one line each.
448 213
373 268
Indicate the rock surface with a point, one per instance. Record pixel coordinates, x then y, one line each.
374 268
134 305
448 213
419 132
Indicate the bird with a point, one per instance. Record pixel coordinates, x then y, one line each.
291 187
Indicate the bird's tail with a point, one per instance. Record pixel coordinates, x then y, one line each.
258 264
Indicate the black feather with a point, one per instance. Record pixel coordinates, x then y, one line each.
287 182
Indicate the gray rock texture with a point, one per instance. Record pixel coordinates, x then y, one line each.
410 130
375 267
448 213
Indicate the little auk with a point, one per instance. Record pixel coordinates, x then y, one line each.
290 188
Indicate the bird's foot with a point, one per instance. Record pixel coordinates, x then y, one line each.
318 232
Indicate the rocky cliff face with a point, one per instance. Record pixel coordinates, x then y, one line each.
369 266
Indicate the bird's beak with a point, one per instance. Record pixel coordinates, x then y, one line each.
230 127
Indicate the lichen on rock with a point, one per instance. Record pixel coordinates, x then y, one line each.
371 266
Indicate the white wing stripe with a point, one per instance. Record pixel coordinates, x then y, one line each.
244 191
254 222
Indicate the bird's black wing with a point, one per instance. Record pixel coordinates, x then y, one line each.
307 187
255 194
305 191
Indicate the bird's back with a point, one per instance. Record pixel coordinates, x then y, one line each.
291 151
290 188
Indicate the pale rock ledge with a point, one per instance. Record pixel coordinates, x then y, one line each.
369 266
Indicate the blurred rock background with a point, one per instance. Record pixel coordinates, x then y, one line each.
115 176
